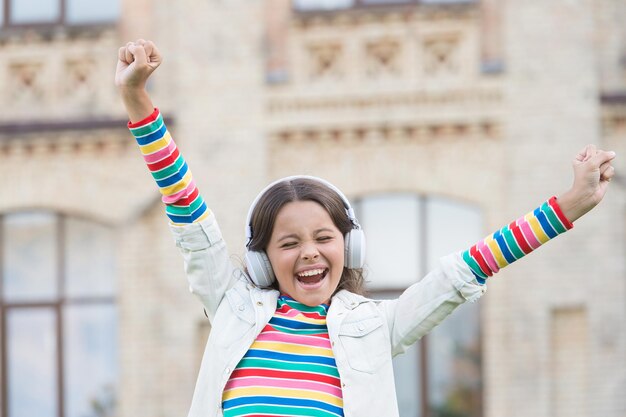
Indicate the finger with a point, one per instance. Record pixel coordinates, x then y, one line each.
140 42
139 54
604 166
585 153
154 56
601 157
608 173
590 152
121 54
128 54
581 154
149 48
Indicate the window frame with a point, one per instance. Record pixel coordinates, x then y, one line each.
57 305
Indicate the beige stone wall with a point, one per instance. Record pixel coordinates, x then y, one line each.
552 90
391 100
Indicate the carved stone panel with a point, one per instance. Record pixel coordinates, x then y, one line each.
441 55
382 58
325 60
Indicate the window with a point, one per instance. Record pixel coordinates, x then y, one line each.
308 5
58 320
58 12
406 235
326 5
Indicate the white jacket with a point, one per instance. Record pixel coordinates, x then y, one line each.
365 334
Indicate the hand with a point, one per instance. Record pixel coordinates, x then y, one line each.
592 173
136 62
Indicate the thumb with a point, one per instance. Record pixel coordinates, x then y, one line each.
139 53
585 154
601 157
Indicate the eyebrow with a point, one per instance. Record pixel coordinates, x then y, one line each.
295 236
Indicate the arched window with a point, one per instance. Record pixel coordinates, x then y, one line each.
58 323
406 234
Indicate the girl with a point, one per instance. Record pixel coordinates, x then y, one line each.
292 335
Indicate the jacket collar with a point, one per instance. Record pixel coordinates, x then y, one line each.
349 299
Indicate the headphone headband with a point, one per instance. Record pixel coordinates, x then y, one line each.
346 203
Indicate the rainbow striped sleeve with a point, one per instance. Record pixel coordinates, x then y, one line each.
184 204
516 239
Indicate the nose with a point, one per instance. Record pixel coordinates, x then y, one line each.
309 252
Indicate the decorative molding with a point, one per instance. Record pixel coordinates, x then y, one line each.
365 13
50 137
45 33
469 97
379 134
69 143
29 127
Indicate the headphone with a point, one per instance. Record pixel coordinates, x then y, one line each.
257 262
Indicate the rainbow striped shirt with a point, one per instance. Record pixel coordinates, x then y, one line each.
516 240
289 370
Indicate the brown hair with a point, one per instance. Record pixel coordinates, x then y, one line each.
302 189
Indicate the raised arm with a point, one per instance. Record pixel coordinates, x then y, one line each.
592 173
136 62
207 264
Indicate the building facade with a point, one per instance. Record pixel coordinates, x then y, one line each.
441 120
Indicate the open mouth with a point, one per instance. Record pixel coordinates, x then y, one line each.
312 277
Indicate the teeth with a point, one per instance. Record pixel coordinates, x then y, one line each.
311 272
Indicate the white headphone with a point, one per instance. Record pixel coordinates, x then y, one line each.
258 264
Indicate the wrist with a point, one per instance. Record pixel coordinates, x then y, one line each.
132 92
575 204
137 102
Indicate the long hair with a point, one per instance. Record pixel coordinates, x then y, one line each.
302 189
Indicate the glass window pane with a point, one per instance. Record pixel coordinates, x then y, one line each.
90 352
30 257
451 226
392 229
387 1
406 370
89 259
454 359
32 359
454 365
34 11
446 1
305 5
92 11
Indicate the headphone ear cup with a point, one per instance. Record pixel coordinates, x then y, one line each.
354 249
259 268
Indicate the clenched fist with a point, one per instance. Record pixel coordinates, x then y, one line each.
136 62
592 173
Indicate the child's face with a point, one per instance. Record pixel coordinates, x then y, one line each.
306 251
